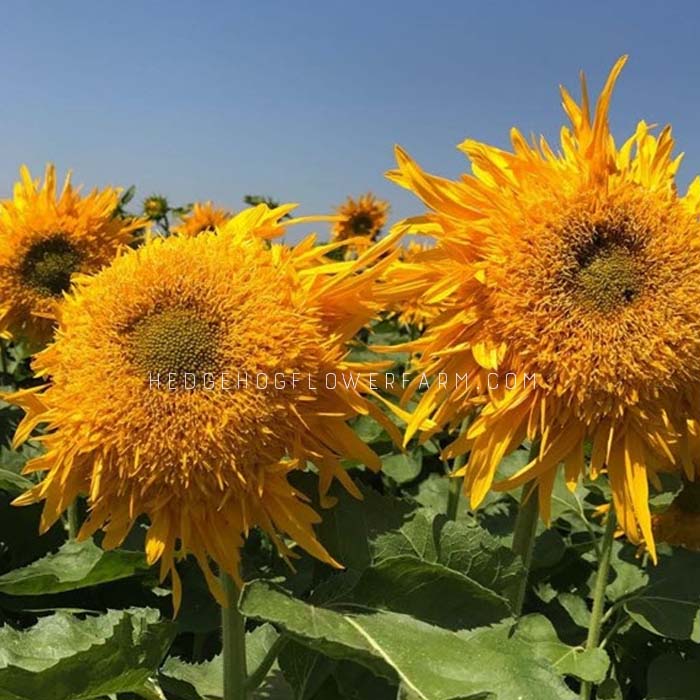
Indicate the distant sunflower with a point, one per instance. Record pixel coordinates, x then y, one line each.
580 269
45 240
361 220
205 464
203 217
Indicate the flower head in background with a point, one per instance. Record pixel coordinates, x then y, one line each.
361 220
577 274
414 309
46 238
173 392
155 207
203 217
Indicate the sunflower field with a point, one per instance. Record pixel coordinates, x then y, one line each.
452 458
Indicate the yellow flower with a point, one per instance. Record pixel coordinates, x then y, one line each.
679 524
45 240
578 272
415 310
203 217
172 392
361 220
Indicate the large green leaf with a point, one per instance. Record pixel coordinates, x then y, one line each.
66 658
431 662
75 565
430 592
467 547
537 631
671 677
349 529
669 604
419 537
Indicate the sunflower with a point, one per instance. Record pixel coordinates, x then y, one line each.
155 207
203 217
572 285
181 389
412 310
361 220
45 240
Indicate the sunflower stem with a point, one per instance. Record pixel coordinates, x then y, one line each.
525 533
233 639
73 520
3 359
455 484
601 582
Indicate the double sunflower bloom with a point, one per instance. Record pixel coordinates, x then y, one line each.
576 272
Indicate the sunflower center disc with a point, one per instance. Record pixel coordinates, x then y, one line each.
176 340
49 265
609 278
361 224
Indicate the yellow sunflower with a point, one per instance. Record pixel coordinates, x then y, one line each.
203 217
45 239
361 220
572 281
415 310
189 378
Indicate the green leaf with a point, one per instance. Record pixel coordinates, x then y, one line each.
609 689
629 576
671 677
403 467
349 529
205 680
65 658
669 605
14 483
418 537
467 547
306 670
588 665
433 663
430 592
75 565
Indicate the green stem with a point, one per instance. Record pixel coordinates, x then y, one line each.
525 533
73 520
454 486
601 582
3 358
260 673
233 638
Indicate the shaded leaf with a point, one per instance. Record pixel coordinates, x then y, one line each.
403 467
669 605
65 658
430 592
75 565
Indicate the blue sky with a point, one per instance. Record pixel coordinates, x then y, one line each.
305 100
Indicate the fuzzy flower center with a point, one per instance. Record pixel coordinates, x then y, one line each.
361 224
608 277
49 265
175 340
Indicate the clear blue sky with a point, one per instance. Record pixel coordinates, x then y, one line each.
305 100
